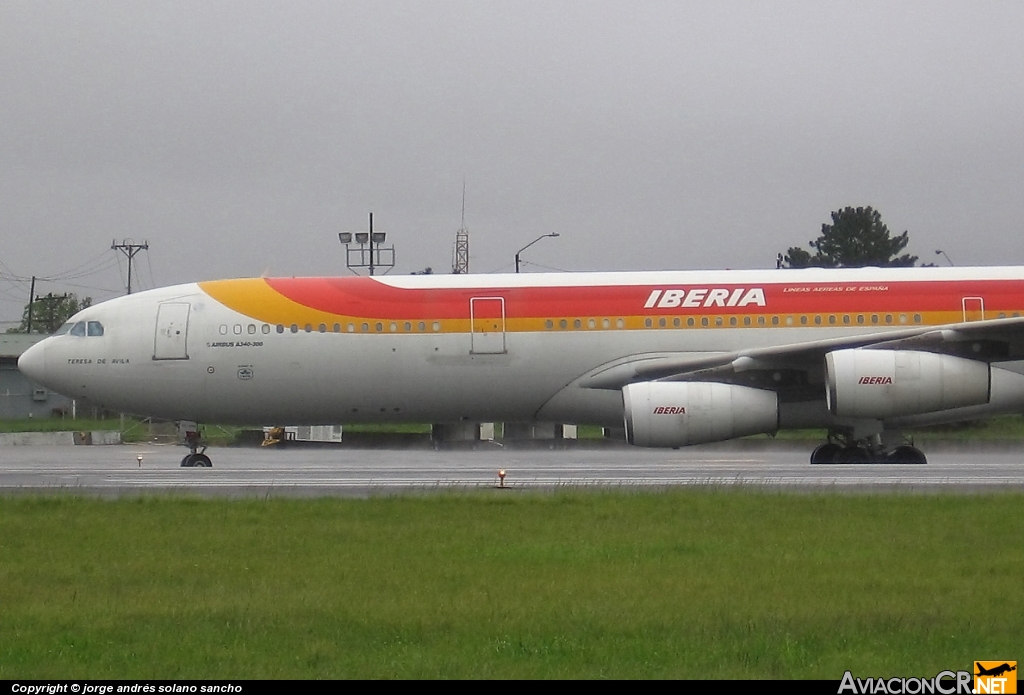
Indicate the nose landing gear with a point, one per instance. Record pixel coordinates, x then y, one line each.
196 458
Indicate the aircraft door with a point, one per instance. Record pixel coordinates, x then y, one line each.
487 321
171 342
974 308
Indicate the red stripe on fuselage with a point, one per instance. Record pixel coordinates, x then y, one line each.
368 297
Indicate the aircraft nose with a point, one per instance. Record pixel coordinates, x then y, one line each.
32 362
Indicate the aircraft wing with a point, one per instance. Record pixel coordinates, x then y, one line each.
789 366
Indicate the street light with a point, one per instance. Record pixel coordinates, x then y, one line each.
939 252
553 234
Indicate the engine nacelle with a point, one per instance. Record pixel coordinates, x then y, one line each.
879 384
680 413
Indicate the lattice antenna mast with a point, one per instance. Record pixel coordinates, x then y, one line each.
460 256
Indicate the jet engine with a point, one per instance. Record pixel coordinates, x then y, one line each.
680 413
880 384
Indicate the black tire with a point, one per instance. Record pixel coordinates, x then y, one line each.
186 461
827 453
854 455
202 461
908 455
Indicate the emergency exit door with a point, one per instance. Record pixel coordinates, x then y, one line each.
487 321
974 308
171 342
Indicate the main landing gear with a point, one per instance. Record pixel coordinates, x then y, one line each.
196 458
841 449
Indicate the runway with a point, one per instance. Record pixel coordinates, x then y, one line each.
116 470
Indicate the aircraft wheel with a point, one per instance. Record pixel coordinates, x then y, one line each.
907 454
826 453
186 461
854 455
202 461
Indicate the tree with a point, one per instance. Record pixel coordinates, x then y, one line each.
50 312
856 238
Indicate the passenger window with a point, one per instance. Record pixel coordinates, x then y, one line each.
95 328
917 318
422 326
732 320
309 328
252 329
605 323
690 321
78 329
661 322
620 323
238 329
337 328
407 326
675 322
266 328
280 328
591 323
436 326
563 324
223 329
760 320
817 320
704 321
295 328
775 320
648 323
322 328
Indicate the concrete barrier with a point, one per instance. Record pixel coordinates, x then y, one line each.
106 437
59 438
37 438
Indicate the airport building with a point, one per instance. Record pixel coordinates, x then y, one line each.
20 397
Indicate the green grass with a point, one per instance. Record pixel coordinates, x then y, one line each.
700 584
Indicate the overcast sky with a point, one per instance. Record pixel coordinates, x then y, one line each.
240 137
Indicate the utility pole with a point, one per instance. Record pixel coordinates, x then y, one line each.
31 301
129 250
50 301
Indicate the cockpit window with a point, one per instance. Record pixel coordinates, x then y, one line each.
78 329
64 329
95 328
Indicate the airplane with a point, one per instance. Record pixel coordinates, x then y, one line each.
995 670
678 358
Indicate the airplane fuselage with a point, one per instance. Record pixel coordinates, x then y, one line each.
555 348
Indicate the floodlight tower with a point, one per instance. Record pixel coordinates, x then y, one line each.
372 258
